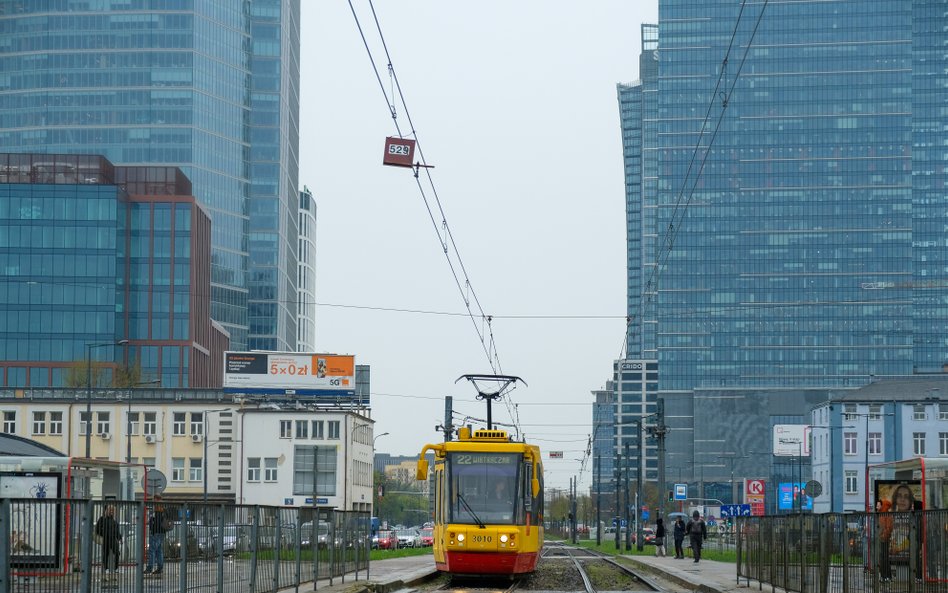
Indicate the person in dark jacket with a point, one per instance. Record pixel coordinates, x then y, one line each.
660 534
679 538
698 532
107 530
157 527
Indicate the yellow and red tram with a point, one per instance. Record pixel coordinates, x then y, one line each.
488 512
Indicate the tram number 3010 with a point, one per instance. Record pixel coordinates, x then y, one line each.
482 539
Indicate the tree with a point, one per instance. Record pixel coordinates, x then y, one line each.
77 374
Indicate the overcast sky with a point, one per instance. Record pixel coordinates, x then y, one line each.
514 103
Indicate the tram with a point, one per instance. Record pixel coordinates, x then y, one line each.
488 511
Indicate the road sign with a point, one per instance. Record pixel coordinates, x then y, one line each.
735 510
681 491
154 482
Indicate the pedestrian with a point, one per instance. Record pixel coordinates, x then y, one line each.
109 535
679 538
158 525
660 537
698 532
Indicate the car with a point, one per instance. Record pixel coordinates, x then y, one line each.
387 540
408 538
648 536
427 537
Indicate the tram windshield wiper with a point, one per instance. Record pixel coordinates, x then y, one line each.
471 511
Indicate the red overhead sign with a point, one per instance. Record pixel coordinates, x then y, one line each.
399 152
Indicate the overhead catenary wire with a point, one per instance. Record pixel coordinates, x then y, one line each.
447 242
681 204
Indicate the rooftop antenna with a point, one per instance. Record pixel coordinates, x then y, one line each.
500 384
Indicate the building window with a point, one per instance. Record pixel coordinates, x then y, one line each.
918 443
39 423
918 412
875 412
849 443
84 423
177 427
302 429
849 411
148 462
943 411
943 443
875 443
9 422
196 466
150 423
270 469
318 429
314 468
286 429
253 469
103 424
197 423
333 429
133 422
177 469
56 423
852 482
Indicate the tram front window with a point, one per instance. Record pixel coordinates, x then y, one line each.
484 488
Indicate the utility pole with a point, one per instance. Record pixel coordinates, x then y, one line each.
628 518
618 475
573 506
448 412
659 431
640 485
598 499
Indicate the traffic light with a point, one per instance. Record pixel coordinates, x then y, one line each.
671 495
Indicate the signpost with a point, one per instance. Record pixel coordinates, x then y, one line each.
735 510
154 482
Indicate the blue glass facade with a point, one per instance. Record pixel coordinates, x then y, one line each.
163 81
94 254
807 245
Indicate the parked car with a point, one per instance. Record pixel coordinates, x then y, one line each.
408 538
648 536
387 540
427 537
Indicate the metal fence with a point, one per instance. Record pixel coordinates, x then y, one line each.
843 553
51 545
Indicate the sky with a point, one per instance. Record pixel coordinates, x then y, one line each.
514 103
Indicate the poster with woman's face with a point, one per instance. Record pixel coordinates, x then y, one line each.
902 495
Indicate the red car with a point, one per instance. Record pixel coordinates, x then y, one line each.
427 537
388 540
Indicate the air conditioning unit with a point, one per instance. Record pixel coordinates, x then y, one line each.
197 438
105 436
150 439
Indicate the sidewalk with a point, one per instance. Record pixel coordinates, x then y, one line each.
707 576
384 576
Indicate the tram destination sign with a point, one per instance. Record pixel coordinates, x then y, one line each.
290 373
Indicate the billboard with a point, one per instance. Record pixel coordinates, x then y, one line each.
289 373
792 440
791 496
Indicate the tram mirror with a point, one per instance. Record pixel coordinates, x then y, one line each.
535 486
422 472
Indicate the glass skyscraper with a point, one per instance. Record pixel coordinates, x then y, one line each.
807 246
209 86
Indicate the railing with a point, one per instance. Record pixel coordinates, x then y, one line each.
843 553
49 545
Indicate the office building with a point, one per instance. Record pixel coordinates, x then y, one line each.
208 87
306 281
103 267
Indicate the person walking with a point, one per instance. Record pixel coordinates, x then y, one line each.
110 537
698 532
679 538
660 537
158 525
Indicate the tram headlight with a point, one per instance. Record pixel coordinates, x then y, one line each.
503 538
460 537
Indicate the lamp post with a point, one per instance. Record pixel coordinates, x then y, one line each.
731 458
128 432
89 348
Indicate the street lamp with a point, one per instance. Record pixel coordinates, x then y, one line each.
89 348
731 458
128 432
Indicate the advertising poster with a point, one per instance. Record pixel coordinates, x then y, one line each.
792 497
35 523
290 373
